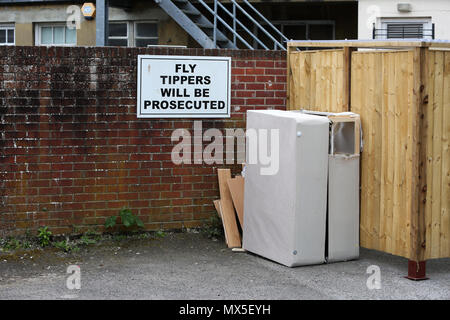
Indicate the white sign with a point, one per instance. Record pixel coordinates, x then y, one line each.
183 87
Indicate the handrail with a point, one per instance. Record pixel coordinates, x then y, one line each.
266 20
275 41
242 25
225 24
248 24
234 23
215 24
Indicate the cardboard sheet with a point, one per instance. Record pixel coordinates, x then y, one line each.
217 206
236 186
227 210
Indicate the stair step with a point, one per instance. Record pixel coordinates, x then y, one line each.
198 26
220 38
190 12
205 26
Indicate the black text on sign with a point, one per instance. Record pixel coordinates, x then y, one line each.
183 87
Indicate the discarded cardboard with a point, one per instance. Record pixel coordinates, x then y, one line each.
236 186
232 235
217 206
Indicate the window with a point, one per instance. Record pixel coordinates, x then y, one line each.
118 34
404 28
7 35
145 34
298 30
137 34
58 34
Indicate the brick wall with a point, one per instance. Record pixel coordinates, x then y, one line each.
73 152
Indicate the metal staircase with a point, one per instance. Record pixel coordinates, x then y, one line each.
223 29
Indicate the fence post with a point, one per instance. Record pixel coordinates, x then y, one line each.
418 145
416 264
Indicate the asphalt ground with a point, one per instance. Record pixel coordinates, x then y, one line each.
192 266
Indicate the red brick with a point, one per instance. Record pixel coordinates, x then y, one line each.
245 94
90 155
236 71
254 71
251 102
254 86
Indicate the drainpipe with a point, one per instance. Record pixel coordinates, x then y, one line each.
101 23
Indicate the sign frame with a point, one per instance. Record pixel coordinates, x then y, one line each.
225 114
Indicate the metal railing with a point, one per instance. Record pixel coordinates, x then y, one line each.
412 31
236 22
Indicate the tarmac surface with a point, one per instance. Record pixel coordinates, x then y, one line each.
191 266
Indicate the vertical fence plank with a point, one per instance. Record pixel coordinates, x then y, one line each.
365 100
376 146
314 70
305 79
437 153
388 148
424 116
369 79
429 153
445 173
398 160
319 83
413 156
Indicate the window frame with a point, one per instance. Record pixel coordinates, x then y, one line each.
127 23
6 27
131 31
135 36
38 34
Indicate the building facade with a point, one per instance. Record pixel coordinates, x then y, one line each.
382 19
143 23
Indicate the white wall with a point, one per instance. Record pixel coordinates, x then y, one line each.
369 11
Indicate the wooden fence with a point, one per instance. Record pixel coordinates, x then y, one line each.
403 96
